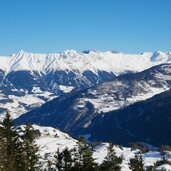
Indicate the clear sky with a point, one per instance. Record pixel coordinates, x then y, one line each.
48 26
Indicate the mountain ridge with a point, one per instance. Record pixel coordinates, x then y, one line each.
81 61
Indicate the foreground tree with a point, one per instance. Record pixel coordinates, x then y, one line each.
67 158
9 145
50 166
2 152
85 155
18 150
63 160
30 149
137 163
59 160
20 158
111 162
151 168
77 159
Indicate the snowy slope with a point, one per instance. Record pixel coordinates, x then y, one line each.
52 138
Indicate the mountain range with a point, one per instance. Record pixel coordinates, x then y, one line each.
74 91
79 112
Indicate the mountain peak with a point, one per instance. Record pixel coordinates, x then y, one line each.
21 52
87 51
70 52
159 56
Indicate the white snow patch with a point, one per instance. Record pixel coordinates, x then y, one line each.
66 89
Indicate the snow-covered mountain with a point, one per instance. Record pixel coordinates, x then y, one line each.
75 111
71 60
28 80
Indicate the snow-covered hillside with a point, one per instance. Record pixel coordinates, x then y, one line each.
50 139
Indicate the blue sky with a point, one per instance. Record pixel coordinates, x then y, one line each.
49 26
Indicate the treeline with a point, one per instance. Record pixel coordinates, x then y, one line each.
19 152
80 159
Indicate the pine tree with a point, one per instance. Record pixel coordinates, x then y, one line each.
59 160
85 155
10 146
31 155
50 166
17 152
20 159
88 160
137 163
2 153
111 162
77 159
67 160
151 168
